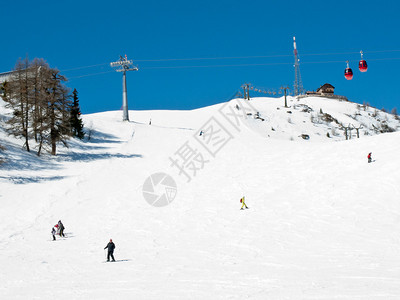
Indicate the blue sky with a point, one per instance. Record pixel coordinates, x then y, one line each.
73 35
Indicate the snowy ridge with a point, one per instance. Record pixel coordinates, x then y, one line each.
322 223
317 117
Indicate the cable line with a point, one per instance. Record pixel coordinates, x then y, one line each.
92 74
234 57
85 67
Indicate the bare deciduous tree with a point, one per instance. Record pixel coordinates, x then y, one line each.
16 96
40 103
58 105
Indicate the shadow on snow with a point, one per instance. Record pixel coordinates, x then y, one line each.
30 179
17 159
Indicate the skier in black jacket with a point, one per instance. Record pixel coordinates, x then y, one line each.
53 233
61 226
111 247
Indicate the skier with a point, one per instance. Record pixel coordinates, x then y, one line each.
57 229
201 133
53 233
150 122
61 226
243 203
370 157
111 247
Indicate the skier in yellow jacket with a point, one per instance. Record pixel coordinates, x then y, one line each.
243 203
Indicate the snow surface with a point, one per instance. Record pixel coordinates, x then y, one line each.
322 223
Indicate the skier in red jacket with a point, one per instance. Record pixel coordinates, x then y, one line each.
370 157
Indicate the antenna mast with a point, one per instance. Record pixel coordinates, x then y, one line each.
123 65
298 85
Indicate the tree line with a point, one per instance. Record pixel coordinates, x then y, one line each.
43 108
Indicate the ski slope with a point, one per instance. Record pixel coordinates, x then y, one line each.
322 223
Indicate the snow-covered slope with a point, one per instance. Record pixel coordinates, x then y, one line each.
322 223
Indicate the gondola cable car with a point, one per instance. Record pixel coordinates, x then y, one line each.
348 72
362 65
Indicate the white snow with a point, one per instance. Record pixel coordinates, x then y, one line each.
322 223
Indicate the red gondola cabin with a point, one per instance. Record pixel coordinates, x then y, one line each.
362 65
348 74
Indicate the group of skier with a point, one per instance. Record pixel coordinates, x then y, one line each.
58 229
111 246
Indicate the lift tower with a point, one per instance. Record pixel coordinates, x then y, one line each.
298 85
123 65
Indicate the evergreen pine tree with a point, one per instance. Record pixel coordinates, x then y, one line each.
76 121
